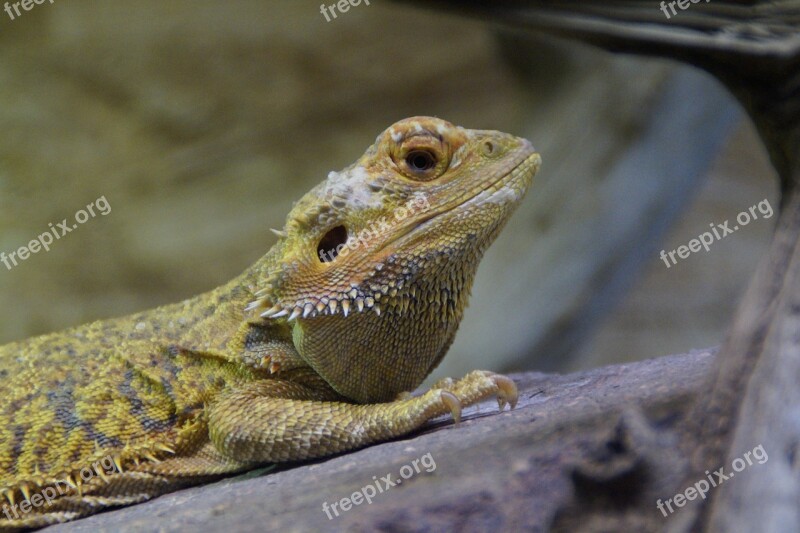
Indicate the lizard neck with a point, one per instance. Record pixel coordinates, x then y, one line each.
373 356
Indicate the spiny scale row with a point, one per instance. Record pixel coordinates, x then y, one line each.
348 302
74 480
312 310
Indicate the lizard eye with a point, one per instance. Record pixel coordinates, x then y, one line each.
328 247
420 161
422 158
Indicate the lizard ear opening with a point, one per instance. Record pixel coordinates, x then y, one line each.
330 244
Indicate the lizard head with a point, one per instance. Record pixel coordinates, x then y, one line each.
375 264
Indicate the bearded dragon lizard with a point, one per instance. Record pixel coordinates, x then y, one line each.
310 352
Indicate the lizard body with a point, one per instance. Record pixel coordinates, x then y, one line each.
310 352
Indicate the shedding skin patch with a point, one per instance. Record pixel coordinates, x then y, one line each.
352 186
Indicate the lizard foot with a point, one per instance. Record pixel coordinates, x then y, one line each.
474 387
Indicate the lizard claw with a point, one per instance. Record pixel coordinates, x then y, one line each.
506 391
452 403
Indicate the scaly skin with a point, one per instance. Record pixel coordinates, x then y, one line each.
306 354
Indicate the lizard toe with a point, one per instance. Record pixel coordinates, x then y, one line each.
452 403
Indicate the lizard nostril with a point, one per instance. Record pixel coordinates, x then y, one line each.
329 246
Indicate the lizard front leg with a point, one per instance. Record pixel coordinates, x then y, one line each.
277 420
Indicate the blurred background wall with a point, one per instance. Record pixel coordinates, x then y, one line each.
201 122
